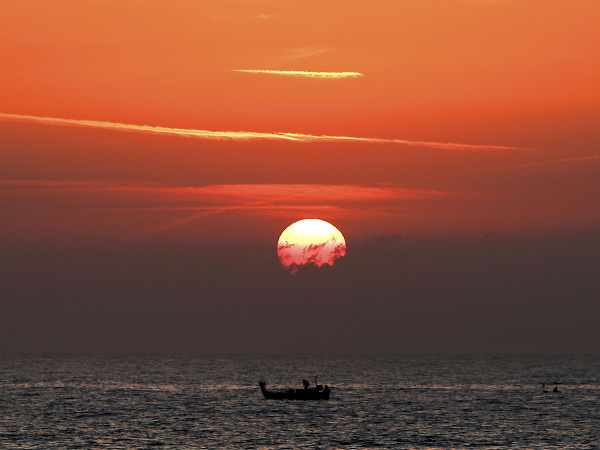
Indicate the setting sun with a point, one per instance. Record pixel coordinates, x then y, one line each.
310 241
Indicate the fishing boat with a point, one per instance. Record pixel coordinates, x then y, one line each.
318 392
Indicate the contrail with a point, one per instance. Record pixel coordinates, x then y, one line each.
537 164
209 212
303 73
174 223
245 135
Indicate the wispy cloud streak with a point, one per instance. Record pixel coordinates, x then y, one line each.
246 135
209 212
221 196
173 223
305 52
303 73
538 164
202 201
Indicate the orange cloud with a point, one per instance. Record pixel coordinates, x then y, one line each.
202 201
223 196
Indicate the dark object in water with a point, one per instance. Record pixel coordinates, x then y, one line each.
307 393
545 387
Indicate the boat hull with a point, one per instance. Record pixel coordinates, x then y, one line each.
295 394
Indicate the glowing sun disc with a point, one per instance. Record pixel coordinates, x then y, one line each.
310 241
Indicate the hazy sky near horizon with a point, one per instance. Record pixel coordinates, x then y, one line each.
151 153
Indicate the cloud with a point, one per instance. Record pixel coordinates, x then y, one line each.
50 184
246 135
202 201
303 73
538 164
221 196
173 223
316 192
305 52
486 1
277 199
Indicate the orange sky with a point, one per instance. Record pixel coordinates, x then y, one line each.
198 121
489 73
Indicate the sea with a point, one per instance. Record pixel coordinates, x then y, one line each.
377 402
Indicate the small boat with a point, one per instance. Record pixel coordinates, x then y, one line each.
307 393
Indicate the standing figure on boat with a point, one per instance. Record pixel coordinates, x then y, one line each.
305 383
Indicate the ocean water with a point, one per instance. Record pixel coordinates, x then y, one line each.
395 402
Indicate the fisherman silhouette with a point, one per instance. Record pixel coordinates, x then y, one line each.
305 383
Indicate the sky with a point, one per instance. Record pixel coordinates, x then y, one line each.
152 152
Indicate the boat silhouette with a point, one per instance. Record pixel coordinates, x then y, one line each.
306 393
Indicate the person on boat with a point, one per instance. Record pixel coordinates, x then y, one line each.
326 390
555 389
305 383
